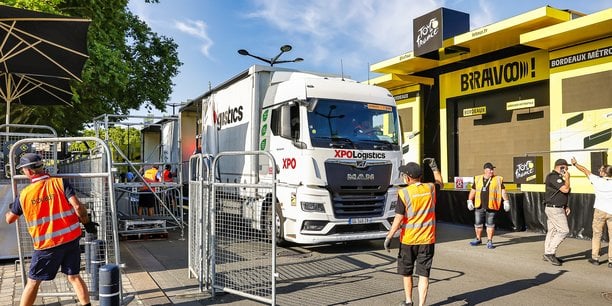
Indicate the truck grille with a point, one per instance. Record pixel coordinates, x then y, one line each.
358 188
352 206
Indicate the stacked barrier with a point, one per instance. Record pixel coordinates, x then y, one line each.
90 175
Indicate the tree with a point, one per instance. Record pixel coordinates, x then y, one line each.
128 66
128 140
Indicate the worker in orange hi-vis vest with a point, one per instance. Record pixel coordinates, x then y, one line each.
486 197
415 215
52 213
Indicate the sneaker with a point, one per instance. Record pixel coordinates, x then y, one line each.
475 242
403 303
490 245
594 261
552 259
610 264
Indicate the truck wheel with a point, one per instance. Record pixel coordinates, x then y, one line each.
280 233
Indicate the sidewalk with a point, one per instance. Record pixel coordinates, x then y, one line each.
361 273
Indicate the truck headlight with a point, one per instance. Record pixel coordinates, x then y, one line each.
312 207
393 205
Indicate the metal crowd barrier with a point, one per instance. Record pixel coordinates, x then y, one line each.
232 237
9 134
90 175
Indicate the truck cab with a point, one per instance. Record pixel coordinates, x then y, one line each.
337 147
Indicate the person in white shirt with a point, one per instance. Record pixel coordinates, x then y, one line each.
602 208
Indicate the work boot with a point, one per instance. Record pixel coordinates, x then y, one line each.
552 259
475 242
594 261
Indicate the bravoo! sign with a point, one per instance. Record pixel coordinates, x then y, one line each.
432 28
511 71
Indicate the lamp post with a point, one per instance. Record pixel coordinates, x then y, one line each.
273 60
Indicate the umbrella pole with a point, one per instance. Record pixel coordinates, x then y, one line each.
8 118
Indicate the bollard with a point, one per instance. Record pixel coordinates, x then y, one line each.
87 242
97 259
109 285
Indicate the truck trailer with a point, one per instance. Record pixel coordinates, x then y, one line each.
336 144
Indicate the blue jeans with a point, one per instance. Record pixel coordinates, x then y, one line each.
479 214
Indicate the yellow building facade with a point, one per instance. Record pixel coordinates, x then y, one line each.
519 93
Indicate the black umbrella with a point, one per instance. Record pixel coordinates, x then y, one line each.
39 53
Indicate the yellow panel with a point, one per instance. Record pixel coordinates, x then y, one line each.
396 80
511 71
406 63
568 33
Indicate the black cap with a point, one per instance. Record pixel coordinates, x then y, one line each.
488 166
411 169
30 160
561 162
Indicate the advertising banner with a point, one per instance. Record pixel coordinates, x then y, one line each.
528 170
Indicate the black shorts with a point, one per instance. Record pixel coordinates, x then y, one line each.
146 199
45 263
415 259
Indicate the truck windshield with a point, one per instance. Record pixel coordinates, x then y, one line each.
354 125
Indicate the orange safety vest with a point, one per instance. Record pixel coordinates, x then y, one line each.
495 193
419 223
50 218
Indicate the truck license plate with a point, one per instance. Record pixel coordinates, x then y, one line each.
360 220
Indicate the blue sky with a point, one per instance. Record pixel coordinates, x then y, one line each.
325 33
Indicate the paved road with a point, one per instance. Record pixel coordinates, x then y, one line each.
362 273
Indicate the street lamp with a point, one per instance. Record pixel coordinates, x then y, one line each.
273 60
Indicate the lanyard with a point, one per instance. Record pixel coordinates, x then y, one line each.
488 182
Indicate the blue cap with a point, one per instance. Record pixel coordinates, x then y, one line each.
30 160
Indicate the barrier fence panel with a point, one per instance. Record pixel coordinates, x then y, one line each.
243 236
198 243
90 175
10 133
8 243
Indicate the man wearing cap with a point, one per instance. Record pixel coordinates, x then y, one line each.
415 214
485 199
556 199
52 213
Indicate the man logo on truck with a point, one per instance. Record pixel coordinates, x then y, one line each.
231 115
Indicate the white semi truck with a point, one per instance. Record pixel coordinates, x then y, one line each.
336 143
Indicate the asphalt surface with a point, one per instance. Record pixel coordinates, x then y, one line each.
362 273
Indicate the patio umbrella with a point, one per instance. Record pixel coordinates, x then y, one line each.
39 54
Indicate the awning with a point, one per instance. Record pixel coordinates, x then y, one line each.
477 42
393 80
586 28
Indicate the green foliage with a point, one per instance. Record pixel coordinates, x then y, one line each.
128 66
123 138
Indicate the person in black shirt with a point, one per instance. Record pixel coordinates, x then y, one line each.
557 210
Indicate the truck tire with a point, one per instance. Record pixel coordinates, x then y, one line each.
280 233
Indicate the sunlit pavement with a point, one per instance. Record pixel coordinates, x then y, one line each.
362 273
